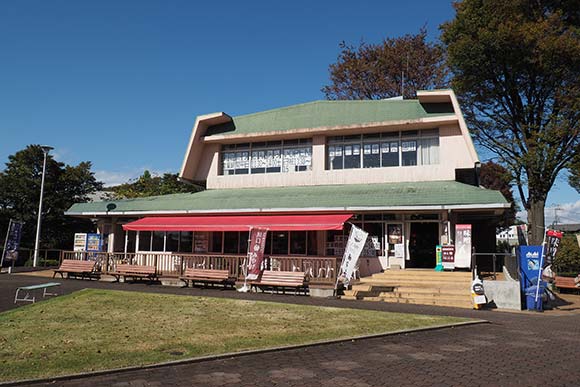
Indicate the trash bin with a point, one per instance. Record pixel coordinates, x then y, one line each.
531 302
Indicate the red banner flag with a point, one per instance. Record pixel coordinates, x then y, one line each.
256 252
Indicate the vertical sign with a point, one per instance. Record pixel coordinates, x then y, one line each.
356 242
463 245
256 252
448 256
12 244
553 239
438 258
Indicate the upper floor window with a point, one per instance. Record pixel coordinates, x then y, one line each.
267 157
377 150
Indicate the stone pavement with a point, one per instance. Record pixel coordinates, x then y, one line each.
515 349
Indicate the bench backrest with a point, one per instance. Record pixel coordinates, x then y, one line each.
77 265
138 269
290 278
206 273
565 281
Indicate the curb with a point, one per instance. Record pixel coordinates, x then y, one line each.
201 359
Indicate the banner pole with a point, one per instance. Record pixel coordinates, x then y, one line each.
244 288
5 243
541 264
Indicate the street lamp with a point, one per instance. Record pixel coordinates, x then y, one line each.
45 150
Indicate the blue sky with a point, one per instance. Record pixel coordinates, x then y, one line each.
119 83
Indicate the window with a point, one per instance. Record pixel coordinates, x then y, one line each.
172 241
157 241
145 241
298 242
231 241
267 157
216 242
185 241
280 242
389 149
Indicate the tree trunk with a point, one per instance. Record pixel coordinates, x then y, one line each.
536 221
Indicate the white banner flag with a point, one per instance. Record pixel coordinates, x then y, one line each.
354 246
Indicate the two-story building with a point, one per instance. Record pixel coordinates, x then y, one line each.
406 171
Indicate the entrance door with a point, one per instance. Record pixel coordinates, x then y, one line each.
422 241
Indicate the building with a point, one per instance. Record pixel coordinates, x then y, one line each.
406 171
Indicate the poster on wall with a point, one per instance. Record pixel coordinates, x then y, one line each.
463 246
395 233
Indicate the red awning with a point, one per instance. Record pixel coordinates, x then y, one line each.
240 223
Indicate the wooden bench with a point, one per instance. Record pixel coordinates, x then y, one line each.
207 276
566 283
295 280
134 272
29 289
76 268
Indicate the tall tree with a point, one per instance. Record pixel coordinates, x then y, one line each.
148 185
496 177
574 178
64 185
377 71
516 67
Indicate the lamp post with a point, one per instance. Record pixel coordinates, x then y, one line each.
45 150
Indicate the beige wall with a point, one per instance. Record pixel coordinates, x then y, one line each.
453 153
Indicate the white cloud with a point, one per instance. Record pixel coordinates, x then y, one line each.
111 178
567 213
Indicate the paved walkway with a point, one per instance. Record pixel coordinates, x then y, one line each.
516 349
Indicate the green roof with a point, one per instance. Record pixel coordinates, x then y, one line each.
330 113
347 197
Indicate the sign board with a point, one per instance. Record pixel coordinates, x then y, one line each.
529 257
399 250
94 242
438 258
356 242
256 252
12 242
80 243
463 246
448 256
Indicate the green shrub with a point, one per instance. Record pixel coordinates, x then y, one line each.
568 256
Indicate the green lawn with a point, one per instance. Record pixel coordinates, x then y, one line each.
100 329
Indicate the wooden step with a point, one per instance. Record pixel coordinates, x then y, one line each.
421 284
435 302
419 296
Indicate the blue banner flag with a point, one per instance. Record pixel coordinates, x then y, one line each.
12 243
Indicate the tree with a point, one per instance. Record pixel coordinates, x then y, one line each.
63 186
516 68
567 258
496 177
574 178
375 71
148 185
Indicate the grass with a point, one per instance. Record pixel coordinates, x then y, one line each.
101 329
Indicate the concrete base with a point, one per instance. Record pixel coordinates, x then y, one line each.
321 292
175 282
505 294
